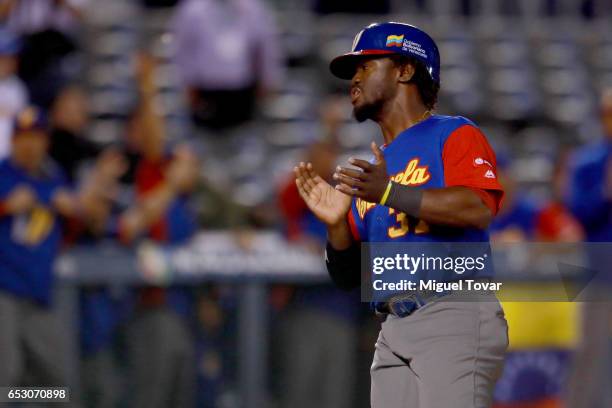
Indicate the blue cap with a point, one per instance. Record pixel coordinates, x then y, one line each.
380 39
10 44
30 119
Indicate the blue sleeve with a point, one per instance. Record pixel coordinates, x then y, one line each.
7 181
181 221
357 224
586 198
57 182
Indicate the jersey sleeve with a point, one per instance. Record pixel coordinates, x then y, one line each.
57 182
586 197
6 186
7 183
356 224
470 161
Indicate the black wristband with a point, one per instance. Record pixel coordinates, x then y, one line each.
405 199
344 266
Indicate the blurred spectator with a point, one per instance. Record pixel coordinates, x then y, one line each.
229 55
542 334
318 332
160 342
34 197
82 161
555 222
32 16
101 309
48 29
46 65
590 198
590 192
522 218
69 118
13 95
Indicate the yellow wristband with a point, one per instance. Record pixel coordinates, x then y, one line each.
383 200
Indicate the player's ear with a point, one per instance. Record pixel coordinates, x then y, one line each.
406 73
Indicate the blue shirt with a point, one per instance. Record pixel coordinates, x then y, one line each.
587 199
590 203
29 242
523 215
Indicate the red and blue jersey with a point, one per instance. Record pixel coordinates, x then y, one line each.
175 227
179 222
441 151
29 242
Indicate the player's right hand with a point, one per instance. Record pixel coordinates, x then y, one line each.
328 204
21 200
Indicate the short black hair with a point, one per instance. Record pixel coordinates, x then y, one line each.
428 88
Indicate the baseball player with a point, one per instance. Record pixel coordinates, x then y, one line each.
433 180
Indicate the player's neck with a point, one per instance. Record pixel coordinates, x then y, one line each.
26 165
400 115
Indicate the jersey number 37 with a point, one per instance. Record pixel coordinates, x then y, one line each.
405 224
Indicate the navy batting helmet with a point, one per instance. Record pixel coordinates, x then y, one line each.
381 39
29 119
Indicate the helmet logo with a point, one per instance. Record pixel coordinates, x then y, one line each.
414 48
395 40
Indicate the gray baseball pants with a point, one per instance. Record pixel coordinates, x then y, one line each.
162 361
32 344
318 358
449 354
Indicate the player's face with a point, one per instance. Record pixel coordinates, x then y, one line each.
373 84
70 110
30 148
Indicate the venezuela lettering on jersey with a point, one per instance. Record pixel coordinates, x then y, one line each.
412 175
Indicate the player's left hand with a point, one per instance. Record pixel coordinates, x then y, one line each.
369 182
